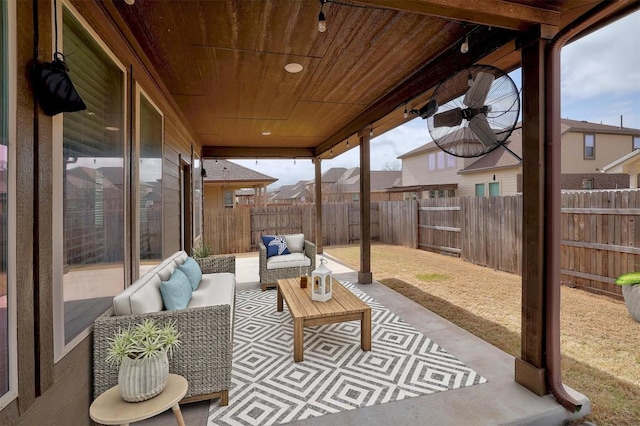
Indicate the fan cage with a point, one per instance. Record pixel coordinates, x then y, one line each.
458 139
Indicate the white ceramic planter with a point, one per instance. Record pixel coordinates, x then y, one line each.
631 295
142 379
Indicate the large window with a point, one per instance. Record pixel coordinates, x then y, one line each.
150 213
589 147
93 185
8 349
440 161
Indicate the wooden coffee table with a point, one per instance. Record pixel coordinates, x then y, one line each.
343 306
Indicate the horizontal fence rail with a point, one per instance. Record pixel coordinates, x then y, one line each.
599 240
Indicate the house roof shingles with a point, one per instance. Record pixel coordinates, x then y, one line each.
227 171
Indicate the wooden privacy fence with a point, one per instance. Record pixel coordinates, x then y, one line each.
600 239
238 230
492 232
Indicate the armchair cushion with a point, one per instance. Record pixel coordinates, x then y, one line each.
276 245
295 242
292 260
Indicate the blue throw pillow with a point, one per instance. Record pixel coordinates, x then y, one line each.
176 293
275 244
192 270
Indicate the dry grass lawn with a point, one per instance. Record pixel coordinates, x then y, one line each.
600 341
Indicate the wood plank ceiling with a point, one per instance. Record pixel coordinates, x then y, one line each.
223 62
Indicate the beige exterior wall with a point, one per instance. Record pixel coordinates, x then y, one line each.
608 148
213 198
415 171
507 178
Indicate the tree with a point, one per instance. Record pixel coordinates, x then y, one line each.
392 166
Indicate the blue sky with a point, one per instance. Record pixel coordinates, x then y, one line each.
600 82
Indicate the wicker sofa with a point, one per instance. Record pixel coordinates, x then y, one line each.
302 260
206 327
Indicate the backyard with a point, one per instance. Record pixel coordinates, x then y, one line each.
600 340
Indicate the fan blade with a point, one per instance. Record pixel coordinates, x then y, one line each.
477 93
451 118
480 127
429 109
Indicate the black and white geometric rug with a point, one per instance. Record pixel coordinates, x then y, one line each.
336 375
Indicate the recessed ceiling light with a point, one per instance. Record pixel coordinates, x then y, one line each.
112 129
293 67
266 133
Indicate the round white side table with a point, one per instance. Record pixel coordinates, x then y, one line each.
110 409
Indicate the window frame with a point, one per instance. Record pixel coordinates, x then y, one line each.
586 182
494 184
584 146
139 92
60 348
198 166
635 143
12 302
225 192
484 189
432 162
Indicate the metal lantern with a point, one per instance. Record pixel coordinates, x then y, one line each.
322 283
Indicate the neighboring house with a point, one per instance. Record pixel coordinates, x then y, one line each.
340 185
586 149
629 164
343 185
222 178
297 193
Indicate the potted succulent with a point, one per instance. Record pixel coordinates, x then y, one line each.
142 353
630 283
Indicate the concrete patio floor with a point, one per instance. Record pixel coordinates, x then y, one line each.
500 401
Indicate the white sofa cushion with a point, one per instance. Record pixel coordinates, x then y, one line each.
215 289
140 298
295 243
288 261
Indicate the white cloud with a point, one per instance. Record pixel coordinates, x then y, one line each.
606 61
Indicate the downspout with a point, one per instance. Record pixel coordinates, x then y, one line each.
553 197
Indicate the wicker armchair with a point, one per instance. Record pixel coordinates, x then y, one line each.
204 356
269 277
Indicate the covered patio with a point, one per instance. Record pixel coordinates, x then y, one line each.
250 80
498 401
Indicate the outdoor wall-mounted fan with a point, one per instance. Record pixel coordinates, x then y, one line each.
473 112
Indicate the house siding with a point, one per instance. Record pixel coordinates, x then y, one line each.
213 197
60 393
415 171
506 177
608 148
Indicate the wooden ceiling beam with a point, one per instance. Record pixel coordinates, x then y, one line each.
497 13
256 152
484 42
